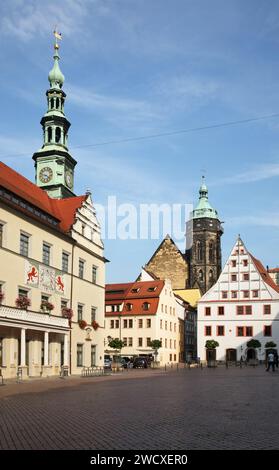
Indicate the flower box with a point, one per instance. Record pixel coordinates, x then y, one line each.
82 324
23 302
95 325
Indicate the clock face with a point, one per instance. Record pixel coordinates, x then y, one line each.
45 174
69 179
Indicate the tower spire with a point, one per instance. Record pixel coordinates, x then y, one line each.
53 162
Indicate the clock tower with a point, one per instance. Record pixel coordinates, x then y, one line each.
54 164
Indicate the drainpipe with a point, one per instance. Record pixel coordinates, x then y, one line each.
71 305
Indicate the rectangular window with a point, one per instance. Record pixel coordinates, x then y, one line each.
245 262
1 234
44 298
220 330
125 325
140 342
234 294
112 323
170 326
94 274
233 277
233 263
255 293
246 294
93 355
93 313
162 308
249 331
248 310
130 323
24 244
81 268
22 292
148 323
65 262
140 323
207 330
221 310
79 355
46 254
246 277
125 341
267 309
239 331
148 342
166 343
267 330
166 325
170 344
240 310
116 323
224 294
161 324
170 357
80 311
207 311
130 342
64 304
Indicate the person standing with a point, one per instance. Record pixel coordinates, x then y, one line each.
270 361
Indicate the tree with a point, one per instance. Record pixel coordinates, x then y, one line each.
156 344
116 343
270 344
211 344
253 343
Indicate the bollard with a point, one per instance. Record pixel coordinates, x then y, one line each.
177 367
165 367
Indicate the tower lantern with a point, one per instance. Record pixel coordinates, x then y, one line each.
54 165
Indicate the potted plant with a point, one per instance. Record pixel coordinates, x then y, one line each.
46 306
211 346
95 325
82 324
116 344
253 344
23 302
156 344
67 313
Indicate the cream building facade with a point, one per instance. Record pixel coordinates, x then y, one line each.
52 265
140 312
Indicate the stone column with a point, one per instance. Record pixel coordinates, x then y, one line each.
23 347
46 338
66 351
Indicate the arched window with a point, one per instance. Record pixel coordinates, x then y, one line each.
211 251
52 103
57 134
49 134
199 251
57 103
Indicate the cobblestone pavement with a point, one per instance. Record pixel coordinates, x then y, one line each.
185 409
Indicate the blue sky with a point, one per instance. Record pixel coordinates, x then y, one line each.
140 67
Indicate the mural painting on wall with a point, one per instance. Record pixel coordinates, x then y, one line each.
44 277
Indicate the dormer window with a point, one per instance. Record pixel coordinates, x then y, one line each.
135 290
152 289
129 307
146 306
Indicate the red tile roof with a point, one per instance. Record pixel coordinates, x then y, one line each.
264 274
64 210
273 270
123 293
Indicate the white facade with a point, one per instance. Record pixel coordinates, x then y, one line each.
242 305
138 330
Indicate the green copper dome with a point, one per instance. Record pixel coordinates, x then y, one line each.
55 76
203 208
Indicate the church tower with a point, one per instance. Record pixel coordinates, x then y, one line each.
54 165
203 243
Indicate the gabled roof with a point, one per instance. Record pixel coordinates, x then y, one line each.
264 274
63 210
133 295
273 270
167 237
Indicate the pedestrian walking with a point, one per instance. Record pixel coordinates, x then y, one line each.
270 361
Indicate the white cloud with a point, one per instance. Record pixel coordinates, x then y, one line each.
266 220
257 173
